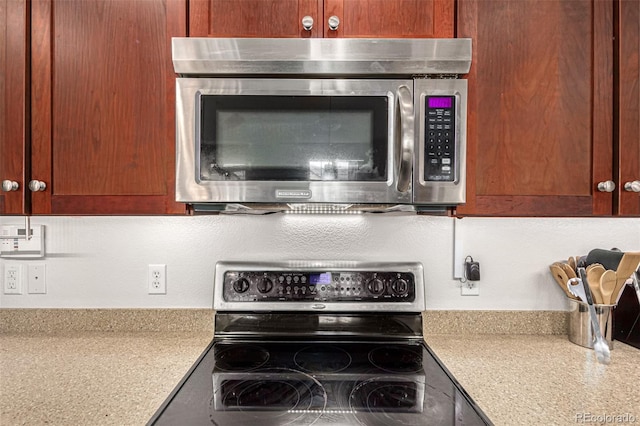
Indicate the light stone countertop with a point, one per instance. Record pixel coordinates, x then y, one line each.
121 378
543 379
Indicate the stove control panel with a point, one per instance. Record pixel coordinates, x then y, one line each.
330 286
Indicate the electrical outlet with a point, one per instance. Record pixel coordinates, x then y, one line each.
469 288
13 279
158 279
36 279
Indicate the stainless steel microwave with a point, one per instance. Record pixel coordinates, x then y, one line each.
270 124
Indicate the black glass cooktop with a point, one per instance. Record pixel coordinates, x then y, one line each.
318 383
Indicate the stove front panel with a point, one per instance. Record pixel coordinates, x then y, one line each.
319 287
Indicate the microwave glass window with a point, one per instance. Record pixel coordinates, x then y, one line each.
293 138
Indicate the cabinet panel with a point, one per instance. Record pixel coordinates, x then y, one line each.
14 20
358 18
253 18
628 86
540 107
102 106
391 18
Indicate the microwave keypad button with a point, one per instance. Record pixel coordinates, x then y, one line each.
439 116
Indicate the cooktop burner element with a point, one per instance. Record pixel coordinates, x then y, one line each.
396 359
241 358
269 396
387 400
305 358
322 359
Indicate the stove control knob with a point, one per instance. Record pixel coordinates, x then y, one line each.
241 285
265 285
400 287
376 286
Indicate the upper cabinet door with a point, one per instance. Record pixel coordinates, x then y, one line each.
255 18
103 100
628 117
330 18
13 107
389 18
540 107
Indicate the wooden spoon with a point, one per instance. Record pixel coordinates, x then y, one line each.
561 278
572 263
594 272
607 285
629 263
571 273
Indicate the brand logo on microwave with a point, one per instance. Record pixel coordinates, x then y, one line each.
295 193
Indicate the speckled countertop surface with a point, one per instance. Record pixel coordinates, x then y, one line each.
120 378
543 379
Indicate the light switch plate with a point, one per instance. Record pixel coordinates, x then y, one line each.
37 279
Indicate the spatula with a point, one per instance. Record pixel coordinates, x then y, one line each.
629 263
561 278
571 273
607 286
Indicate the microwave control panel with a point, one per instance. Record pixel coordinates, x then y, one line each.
440 141
330 286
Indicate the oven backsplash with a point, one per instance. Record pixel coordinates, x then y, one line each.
313 324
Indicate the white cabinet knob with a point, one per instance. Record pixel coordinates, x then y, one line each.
606 186
37 185
307 23
10 185
632 186
334 23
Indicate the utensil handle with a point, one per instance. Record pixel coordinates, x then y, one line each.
592 309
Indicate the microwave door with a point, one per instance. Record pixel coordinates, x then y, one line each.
294 140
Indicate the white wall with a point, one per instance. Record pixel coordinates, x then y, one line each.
101 262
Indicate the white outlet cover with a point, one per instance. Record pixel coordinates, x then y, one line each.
12 279
157 279
467 289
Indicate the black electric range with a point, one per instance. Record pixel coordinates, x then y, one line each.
310 362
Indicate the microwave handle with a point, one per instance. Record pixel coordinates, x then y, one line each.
404 137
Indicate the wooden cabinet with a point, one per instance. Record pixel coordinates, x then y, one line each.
87 91
102 106
628 108
540 129
14 129
356 18
102 102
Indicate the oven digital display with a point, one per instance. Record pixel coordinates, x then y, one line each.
435 102
322 278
